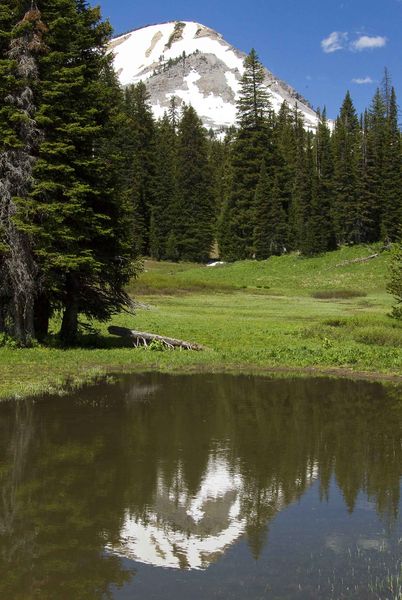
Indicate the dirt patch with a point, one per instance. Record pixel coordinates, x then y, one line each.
114 43
177 34
338 294
158 36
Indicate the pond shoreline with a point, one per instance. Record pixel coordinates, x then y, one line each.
327 316
97 375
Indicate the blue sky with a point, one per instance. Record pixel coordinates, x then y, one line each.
321 47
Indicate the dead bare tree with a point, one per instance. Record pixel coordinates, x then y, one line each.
18 271
141 338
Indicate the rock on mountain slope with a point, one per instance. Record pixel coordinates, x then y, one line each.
197 66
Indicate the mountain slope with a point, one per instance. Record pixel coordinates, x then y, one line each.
197 66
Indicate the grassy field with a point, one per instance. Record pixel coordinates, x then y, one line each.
324 315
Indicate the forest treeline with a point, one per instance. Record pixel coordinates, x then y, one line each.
268 186
89 181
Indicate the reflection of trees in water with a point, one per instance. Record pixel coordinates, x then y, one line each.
56 484
276 435
73 470
11 478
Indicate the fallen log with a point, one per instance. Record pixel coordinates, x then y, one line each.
357 260
140 338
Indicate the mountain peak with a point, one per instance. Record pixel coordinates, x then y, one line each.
193 63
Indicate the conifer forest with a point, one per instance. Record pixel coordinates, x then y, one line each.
90 182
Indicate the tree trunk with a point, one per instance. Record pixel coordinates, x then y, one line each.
357 260
69 326
141 338
24 331
2 319
42 312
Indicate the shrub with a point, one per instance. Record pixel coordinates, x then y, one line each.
335 322
377 336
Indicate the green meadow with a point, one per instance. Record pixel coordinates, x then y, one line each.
324 315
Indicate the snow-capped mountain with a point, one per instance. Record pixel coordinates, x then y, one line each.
197 66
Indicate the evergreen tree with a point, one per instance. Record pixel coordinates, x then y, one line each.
366 224
224 190
391 214
285 150
196 211
301 200
164 209
270 236
75 210
387 91
346 142
173 113
251 146
220 160
375 147
253 105
308 200
263 199
320 236
141 171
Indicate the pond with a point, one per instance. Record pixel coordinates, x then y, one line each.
202 487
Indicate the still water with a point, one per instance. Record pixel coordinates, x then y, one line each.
203 487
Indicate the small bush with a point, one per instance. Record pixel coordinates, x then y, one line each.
338 294
157 346
335 322
377 336
6 341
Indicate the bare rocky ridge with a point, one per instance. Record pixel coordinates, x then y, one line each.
197 66
162 86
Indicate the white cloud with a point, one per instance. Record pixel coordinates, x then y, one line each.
339 40
363 80
367 42
335 41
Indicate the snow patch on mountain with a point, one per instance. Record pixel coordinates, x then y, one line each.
196 65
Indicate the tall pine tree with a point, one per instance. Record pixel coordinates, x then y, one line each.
299 212
164 215
75 209
375 131
196 211
251 146
346 144
141 161
320 235
391 214
271 232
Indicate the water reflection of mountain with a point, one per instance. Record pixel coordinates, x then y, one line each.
177 478
190 532
181 531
